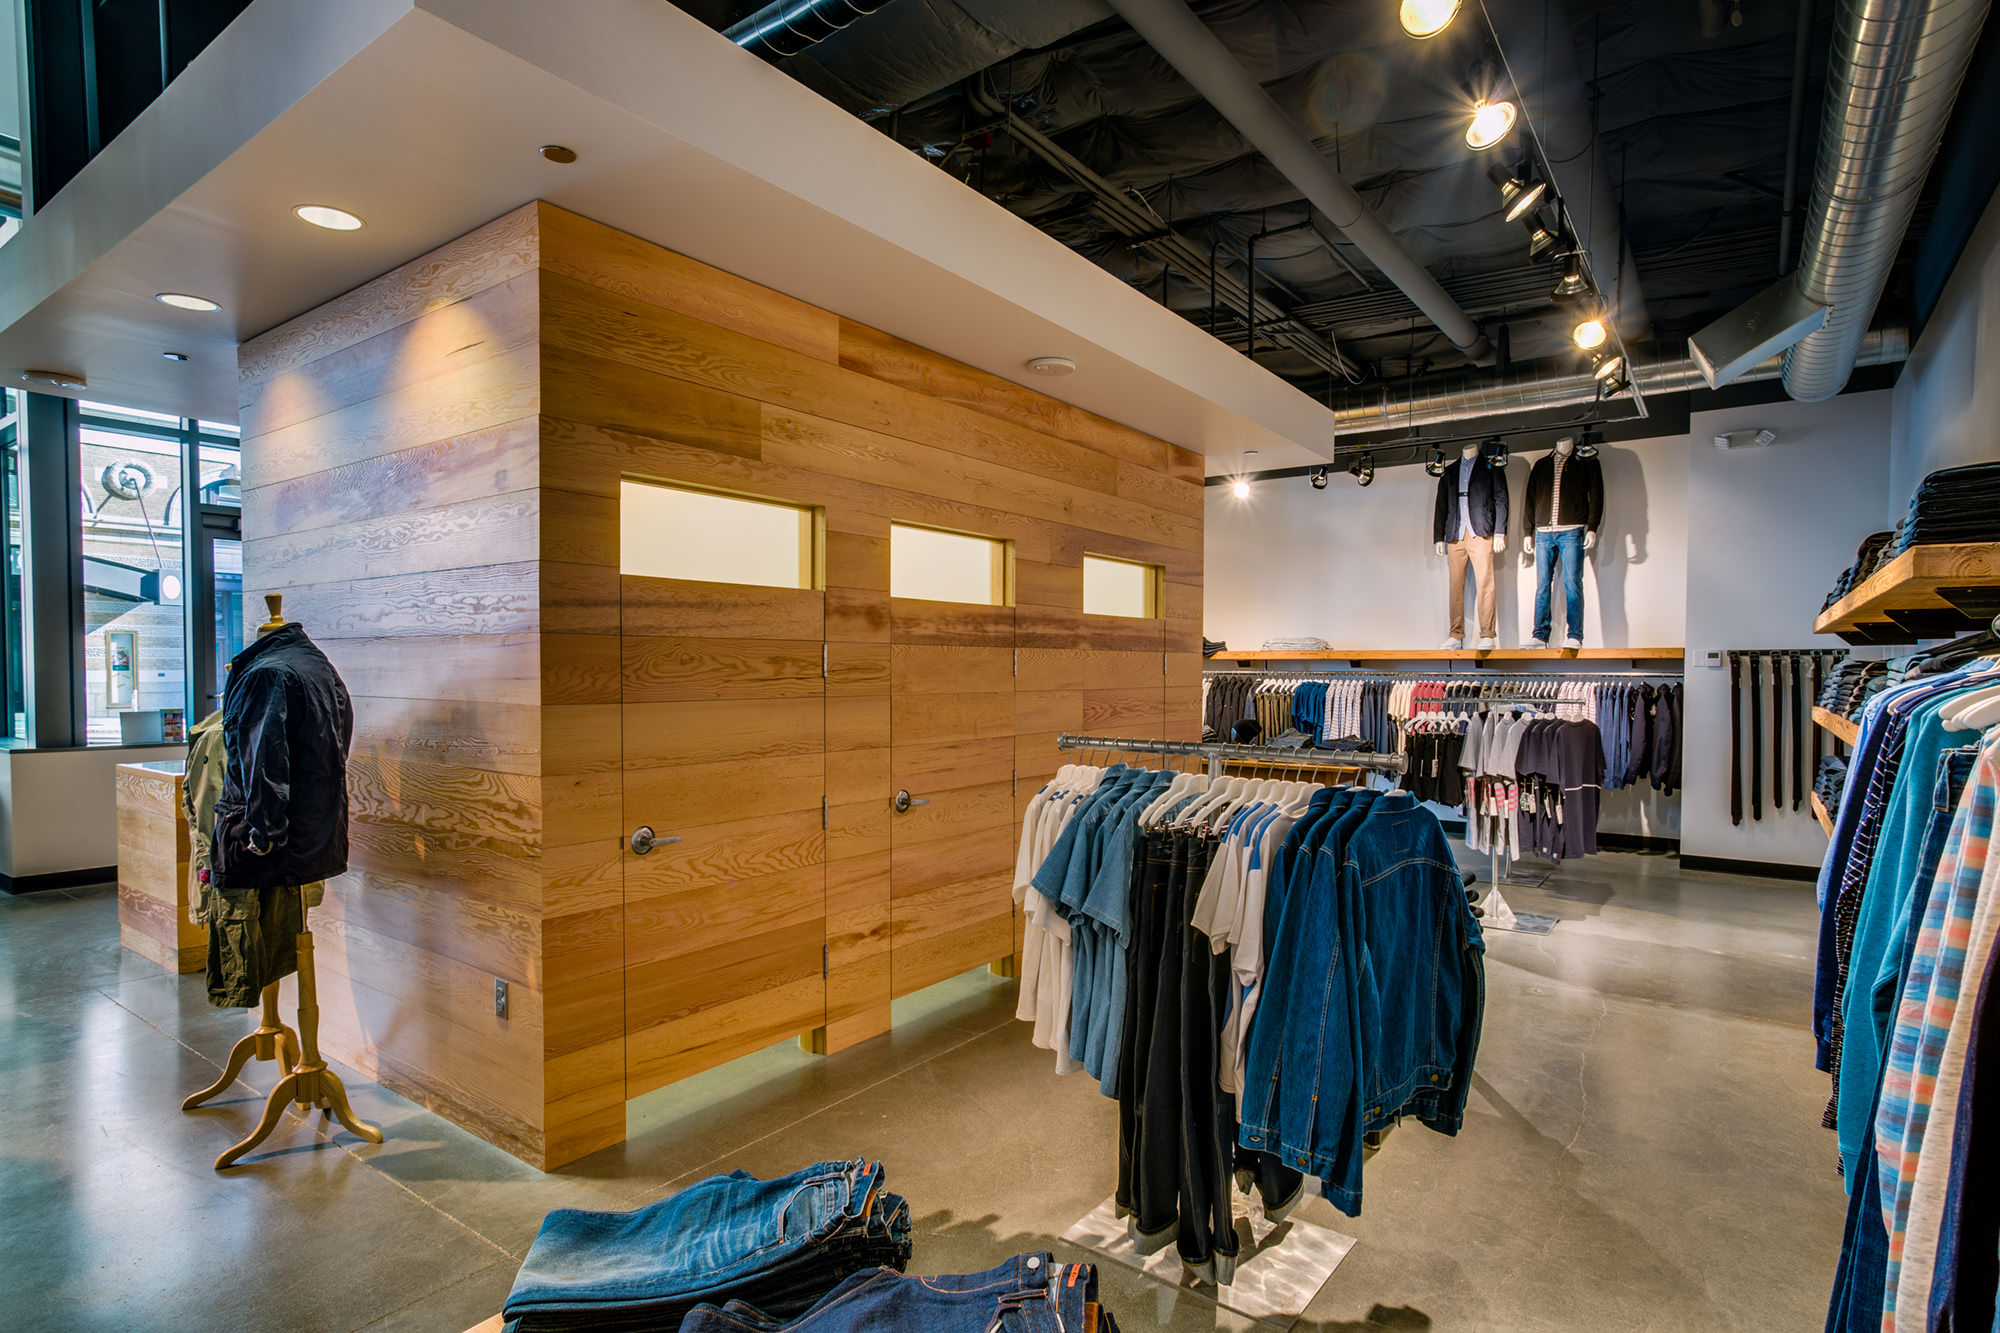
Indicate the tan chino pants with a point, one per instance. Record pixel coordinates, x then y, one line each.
1477 552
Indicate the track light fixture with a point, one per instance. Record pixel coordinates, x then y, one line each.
1427 18
1573 283
1363 468
1590 332
1496 451
1319 478
1519 190
1492 121
1544 234
1240 489
1437 464
1587 442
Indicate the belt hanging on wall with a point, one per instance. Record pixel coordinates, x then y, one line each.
1793 678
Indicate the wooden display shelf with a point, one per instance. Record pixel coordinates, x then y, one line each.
1473 655
1838 725
1819 813
1926 592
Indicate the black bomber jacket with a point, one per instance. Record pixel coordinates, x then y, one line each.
287 722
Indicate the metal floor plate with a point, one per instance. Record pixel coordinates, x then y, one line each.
1282 1267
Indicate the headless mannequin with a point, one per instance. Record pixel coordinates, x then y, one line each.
1567 446
1470 454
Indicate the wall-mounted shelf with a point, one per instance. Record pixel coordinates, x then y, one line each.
1838 725
1819 813
1472 655
1927 592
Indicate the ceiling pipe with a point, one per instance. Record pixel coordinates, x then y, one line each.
790 26
1794 122
1137 222
1540 58
1893 74
1186 43
1362 412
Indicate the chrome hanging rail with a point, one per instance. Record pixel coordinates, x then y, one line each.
1218 753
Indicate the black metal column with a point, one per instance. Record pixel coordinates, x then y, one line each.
52 573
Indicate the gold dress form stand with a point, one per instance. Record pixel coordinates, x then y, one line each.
311 1084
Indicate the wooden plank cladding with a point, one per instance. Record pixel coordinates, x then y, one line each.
432 475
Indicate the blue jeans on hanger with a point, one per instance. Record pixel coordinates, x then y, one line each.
1567 547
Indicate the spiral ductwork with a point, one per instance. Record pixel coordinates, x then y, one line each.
1893 74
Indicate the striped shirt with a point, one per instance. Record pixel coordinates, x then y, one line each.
1924 1019
1555 523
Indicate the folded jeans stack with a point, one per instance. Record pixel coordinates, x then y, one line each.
1028 1294
1850 685
1831 781
779 1245
1867 559
1956 504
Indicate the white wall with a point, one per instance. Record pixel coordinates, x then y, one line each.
1700 548
1948 395
59 808
1770 530
1355 566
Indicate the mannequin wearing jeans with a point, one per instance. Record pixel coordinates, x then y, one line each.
1469 524
1565 505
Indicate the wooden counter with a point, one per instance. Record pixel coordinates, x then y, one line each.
153 868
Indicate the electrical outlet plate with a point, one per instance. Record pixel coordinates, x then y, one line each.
499 997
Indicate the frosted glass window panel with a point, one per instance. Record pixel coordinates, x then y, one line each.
946 566
1120 588
665 532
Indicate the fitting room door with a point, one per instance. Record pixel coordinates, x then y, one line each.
952 750
724 750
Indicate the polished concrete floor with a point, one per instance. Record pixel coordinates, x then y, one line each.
1642 1150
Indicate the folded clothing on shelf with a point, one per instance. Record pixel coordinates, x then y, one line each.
1867 559
1830 781
1294 645
1029 1292
1852 684
1954 504
778 1245
1210 647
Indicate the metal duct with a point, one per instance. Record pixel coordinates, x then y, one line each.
1891 79
790 26
1185 42
1540 56
1356 413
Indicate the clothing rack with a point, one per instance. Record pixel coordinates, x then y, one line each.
1221 673
1219 753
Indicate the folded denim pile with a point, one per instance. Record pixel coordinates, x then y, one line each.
1851 684
1029 1292
777 1245
1944 657
1870 556
1954 504
1830 781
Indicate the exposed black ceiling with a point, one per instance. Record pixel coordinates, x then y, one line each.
1692 131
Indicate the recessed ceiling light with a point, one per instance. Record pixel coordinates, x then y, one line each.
322 215
175 356
60 379
1241 490
182 301
555 152
1052 365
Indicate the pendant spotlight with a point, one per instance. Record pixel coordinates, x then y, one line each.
1519 190
1363 468
1609 370
1319 478
1544 234
1436 466
1492 121
1573 283
1427 18
1589 333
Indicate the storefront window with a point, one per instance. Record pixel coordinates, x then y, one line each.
133 575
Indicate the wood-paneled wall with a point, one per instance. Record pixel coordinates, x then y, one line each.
432 466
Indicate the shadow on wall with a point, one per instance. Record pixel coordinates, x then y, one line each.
1621 541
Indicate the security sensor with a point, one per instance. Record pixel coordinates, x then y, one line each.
1746 439
1765 436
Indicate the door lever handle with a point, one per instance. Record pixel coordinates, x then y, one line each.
904 801
645 840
